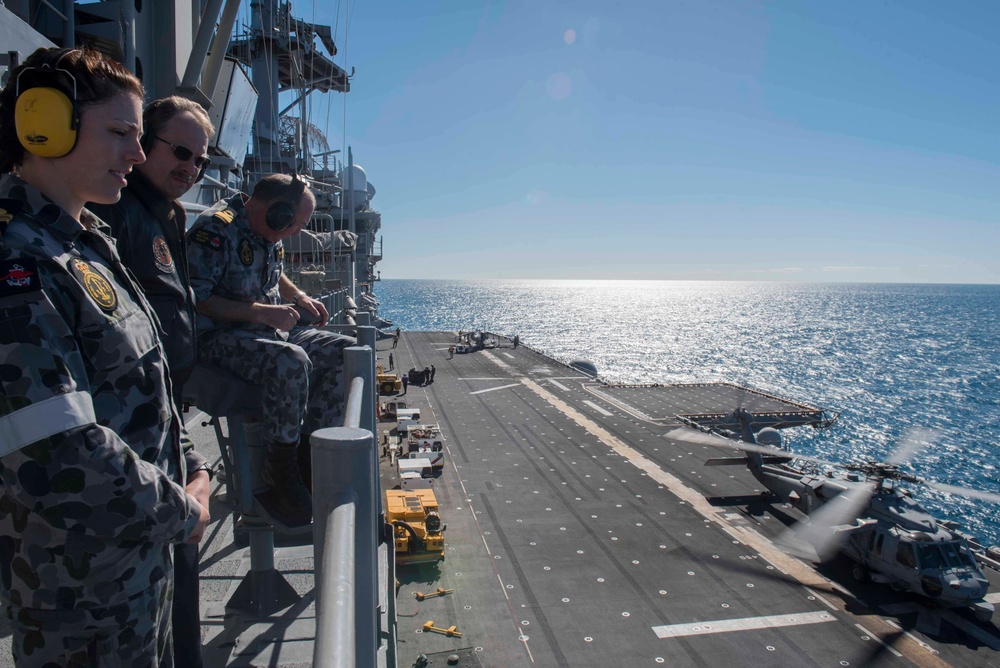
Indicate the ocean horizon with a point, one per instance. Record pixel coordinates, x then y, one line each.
887 356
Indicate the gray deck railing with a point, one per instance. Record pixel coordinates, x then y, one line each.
347 527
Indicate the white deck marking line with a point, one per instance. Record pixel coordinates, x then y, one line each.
821 599
499 362
483 378
494 389
628 408
558 384
744 624
879 640
597 408
509 355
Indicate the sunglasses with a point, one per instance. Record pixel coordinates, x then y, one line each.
185 154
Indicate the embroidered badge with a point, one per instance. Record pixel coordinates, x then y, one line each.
226 216
18 275
246 252
205 238
97 286
161 255
281 254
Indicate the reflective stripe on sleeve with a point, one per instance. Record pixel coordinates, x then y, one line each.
43 419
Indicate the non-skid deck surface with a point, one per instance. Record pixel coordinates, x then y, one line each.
579 535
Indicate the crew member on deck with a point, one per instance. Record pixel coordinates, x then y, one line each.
148 224
249 323
91 470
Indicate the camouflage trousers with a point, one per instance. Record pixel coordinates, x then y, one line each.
135 633
300 377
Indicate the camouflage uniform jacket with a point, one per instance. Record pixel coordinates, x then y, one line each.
227 260
149 231
89 454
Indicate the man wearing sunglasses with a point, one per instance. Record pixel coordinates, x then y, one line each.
148 224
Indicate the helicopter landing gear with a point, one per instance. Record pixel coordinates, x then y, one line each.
859 573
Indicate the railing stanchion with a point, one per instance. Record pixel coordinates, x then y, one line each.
348 522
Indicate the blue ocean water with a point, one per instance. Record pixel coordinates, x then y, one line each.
889 356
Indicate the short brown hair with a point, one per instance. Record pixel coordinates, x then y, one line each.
158 112
98 79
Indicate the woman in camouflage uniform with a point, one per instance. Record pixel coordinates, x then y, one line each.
89 437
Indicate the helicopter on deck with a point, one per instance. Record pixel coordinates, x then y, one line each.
865 514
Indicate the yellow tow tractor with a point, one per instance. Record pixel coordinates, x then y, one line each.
388 383
416 524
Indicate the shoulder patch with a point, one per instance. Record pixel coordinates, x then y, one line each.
203 237
227 216
19 275
98 287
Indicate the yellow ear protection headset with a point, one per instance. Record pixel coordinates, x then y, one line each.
46 119
281 214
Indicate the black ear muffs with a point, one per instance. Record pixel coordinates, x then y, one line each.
281 214
45 118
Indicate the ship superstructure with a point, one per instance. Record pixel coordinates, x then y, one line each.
256 80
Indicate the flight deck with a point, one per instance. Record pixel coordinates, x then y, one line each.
579 534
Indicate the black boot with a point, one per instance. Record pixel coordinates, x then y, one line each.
287 500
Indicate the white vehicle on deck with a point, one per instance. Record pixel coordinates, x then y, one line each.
406 417
416 473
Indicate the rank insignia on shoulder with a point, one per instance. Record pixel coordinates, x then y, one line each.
227 216
98 287
19 275
245 252
205 238
161 255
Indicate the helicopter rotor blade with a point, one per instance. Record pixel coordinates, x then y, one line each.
916 439
702 438
820 530
913 441
962 491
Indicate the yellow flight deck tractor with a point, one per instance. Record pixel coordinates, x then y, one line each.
416 525
388 383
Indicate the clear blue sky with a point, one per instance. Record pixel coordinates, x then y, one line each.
847 140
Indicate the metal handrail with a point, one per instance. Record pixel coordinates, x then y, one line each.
347 525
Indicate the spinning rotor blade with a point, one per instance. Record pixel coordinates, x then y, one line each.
702 438
962 491
840 512
913 441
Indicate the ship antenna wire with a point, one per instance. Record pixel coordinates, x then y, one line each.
347 51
